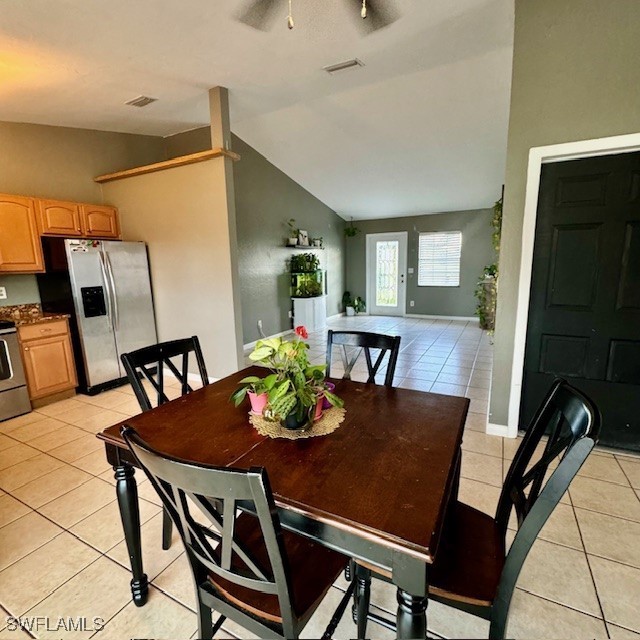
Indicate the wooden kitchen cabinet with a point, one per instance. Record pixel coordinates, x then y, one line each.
58 218
99 221
20 247
48 358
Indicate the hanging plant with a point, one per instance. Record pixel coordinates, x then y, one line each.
350 230
496 223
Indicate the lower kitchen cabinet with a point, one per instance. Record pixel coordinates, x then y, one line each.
48 358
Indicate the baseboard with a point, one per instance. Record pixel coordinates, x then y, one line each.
432 317
499 430
333 317
251 345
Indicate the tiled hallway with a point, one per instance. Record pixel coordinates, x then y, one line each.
62 552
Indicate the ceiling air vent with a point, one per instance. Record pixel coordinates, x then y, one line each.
343 66
141 101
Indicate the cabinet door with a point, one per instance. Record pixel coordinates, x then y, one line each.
99 221
49 366
59 218
20 248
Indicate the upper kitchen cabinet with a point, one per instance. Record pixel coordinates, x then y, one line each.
99 221
20 248
59 218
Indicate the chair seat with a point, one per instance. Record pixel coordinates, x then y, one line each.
313 569
469 559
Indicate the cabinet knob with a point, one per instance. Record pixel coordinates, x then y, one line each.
45 330
26 348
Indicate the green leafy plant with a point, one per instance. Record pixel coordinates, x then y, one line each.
293 229
350 230
294 386
359 305
304 263
346 299
496 223
253 384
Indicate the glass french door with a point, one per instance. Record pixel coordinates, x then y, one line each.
386 273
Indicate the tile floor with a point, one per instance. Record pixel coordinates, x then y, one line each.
62 552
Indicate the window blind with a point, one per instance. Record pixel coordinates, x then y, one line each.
439 259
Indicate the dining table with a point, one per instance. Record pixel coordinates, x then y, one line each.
377 489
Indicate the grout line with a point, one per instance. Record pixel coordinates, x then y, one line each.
560 604
593 579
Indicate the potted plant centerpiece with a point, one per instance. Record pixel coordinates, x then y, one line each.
295 389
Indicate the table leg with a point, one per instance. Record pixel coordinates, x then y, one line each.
411 618
127 492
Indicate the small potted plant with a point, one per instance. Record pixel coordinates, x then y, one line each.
317 242
298 389
292 240
347 303
359 305
256 389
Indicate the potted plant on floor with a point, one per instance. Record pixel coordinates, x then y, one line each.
347 303
297 392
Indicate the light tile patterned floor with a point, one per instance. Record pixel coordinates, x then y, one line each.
62 550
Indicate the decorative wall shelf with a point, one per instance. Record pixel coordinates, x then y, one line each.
297 246
168 164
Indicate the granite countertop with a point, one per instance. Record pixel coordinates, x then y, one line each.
23 314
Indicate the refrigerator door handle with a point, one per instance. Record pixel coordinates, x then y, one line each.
113 293
107 288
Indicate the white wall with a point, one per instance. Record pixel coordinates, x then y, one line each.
182 214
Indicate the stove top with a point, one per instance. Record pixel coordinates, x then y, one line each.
7 324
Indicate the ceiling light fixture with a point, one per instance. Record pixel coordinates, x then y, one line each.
291 24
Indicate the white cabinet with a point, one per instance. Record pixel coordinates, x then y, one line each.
310 312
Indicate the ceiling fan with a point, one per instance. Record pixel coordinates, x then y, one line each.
375 14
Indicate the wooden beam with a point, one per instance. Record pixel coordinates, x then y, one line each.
168 164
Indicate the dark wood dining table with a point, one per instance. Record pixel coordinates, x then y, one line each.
376 489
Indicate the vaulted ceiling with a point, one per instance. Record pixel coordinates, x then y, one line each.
420 128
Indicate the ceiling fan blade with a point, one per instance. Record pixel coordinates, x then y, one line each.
380 14
259 13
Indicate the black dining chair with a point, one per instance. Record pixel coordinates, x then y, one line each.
360 341
244 566
153 364
473 571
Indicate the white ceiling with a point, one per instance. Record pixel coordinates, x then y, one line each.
421 128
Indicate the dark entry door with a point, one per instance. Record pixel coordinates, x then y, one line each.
584 313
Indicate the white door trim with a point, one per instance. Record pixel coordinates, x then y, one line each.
537 157
402 291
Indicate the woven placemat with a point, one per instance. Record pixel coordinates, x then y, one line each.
331 419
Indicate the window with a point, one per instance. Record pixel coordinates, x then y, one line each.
439 259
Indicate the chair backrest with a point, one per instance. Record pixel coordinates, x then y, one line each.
215 548
153 362
572 423
361 341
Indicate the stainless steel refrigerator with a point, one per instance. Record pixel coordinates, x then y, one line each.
105 286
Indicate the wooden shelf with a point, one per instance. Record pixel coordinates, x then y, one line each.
297 246
168 164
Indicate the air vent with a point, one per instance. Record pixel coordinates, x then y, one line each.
141 101
343 66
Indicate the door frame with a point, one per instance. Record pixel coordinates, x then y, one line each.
402 291
537 157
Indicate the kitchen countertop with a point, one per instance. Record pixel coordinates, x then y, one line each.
24 314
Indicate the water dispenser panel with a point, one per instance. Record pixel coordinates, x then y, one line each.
93 303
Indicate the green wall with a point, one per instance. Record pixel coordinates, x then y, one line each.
265 199
442 301
575 77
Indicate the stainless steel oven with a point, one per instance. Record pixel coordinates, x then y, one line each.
14 398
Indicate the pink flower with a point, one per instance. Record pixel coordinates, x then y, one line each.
302 332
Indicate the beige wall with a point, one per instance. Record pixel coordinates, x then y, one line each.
60 162
575 76
181 214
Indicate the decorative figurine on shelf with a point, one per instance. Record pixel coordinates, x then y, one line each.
317 242
303 238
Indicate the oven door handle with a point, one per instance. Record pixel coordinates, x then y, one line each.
5 347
